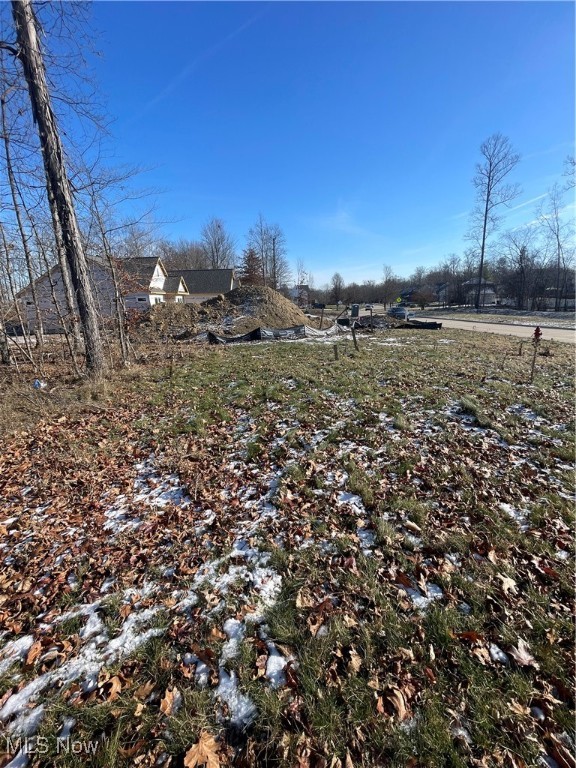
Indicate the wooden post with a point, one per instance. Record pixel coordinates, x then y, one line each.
335 351
536 341
354 336
371 323
321 318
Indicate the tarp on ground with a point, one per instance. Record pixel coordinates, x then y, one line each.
268 334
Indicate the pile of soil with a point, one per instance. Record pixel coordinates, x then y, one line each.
164 320
251 306
237 312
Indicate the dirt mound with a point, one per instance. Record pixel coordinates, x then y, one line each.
234 313
164 320
249 307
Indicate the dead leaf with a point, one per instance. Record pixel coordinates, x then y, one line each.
33 653
522 655
171 701
355 661
144 690
114 686
396 698
204 752
508 585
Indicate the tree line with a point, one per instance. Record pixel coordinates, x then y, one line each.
532 266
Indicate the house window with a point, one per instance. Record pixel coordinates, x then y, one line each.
179 300
140 299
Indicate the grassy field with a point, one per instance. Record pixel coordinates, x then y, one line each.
259 555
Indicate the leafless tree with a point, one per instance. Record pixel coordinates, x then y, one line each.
30 55
269 242
218 245
337 287
499 160
570 172
183 254
558 233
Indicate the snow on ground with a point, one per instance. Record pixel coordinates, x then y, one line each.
245 562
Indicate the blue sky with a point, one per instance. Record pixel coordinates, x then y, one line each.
355 126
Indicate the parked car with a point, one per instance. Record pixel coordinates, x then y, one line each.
400 313
368 307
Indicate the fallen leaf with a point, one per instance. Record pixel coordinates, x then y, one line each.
395 697
171 701
508 585
144 690
355 661
522 655
204 752
115 686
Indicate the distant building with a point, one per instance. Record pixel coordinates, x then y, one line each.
204 284
487 291
143 282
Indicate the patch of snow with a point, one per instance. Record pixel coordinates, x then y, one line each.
353 501
14 651
20 761
423 601
67 724
516 514
498 655
28 722
235 630
562 554
242 709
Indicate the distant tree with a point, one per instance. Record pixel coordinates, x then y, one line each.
250 268
516 269
570 172
418 276
269 242
423 296
389 286
499 160
218 245
183 254
558 233
337 287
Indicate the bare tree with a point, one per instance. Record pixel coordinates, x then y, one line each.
570 172
518 253
499 160
337 287
218 245
30 56
558 232
270 244
183 254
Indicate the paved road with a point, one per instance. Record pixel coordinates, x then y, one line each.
506 329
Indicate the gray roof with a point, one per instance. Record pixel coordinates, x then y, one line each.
172 282
206 280
139 270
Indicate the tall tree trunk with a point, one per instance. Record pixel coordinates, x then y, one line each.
57 180
482 251
71 304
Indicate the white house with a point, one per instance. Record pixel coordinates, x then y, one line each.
143 282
